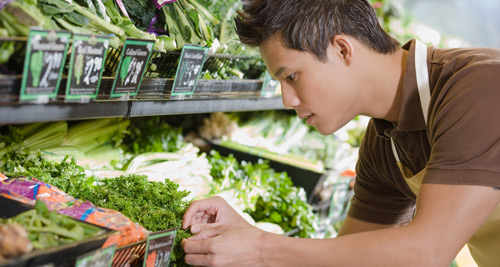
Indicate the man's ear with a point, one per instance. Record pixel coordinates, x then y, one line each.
343 48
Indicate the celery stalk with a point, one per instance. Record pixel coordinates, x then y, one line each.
88 135
47 135
204 11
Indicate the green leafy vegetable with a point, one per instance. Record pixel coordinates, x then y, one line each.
18 16
6 50
266 195
155 205
61 7
141 13
48 229
152 135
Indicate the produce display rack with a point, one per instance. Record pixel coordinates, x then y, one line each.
163 64
153 97
158 79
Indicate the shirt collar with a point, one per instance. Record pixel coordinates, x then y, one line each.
411 116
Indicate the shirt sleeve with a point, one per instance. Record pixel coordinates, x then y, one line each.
380 192
465 128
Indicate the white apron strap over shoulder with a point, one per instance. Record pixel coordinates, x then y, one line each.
424 89
422 72
415 180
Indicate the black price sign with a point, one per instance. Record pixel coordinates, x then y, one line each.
134 59
43 65
159 248
85 67
97 258
188 70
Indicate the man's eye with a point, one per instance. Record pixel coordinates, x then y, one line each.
291 77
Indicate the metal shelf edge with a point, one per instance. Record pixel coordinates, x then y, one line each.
29 113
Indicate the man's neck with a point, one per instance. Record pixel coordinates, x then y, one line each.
386 75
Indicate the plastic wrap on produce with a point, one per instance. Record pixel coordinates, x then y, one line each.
28 190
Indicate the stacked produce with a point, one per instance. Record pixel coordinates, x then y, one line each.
143 169
171 26
226 41
266 195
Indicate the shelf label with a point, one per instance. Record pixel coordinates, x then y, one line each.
97 258
85 67
133 61
268 86
188 70
43 65
159 247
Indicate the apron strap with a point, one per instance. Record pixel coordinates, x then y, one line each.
394 151
424 89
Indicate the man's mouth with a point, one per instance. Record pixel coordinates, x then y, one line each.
308 119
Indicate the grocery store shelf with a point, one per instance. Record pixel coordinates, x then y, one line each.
29 113
203 106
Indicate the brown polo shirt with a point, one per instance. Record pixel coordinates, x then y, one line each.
459 145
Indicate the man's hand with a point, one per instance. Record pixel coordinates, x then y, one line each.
214 210
224 245
223 237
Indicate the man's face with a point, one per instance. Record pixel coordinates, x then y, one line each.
322 93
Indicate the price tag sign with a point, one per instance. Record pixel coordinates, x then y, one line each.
85 67
188 70
268 86
133 61
97 258
43 65
159 247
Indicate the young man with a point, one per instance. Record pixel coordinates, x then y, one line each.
429 165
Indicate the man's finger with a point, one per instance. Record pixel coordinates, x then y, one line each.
197 209
195 246
197 259
196 228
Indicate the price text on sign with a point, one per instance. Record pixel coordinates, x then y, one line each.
43 65
159 248
188 70
133 62
97 258
86 66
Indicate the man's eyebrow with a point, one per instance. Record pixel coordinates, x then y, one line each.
279 72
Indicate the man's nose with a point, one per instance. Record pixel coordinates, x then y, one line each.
290 99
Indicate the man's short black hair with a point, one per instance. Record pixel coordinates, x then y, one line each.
311 25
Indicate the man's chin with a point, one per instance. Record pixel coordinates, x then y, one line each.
323 131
